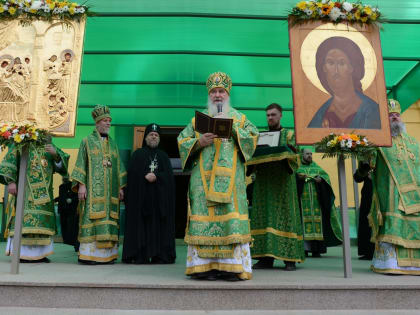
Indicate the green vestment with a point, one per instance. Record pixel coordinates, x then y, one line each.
100 168
38 215
276 225
395 211
217 203
315 199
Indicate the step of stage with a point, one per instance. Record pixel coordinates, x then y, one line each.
318 284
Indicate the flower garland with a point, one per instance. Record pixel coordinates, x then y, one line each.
47 10
334 11
346 145
21 135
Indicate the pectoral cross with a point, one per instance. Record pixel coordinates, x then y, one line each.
153 165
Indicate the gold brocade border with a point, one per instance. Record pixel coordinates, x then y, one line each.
90 239
214 240
90 225
408 262
277 232
184 161
270 158
399 241
41 242
39 212
278 257
399 216
41 231
80 170
98 259
239 269
101 245
396 271
219 218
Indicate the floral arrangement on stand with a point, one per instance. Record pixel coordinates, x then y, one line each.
335 12
22 135
47 10
346 145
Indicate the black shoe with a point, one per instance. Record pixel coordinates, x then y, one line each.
264 263
45 260
211 275
229 276
316 255
366 257
86 262
290 266
42 260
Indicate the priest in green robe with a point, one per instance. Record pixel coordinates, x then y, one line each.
39 223
98 177
276 225
321 226
395 211
217 232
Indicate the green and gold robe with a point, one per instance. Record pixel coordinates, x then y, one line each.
217 204
276 225
38 214
100 168
395 211
319 215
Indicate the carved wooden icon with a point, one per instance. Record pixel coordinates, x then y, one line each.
338 82
40 74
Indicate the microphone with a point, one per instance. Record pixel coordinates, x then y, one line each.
219 107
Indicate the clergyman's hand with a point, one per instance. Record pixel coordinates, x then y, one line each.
221 115
50 149
81 193
301 176
121 194
206 139
150 177
12 189
318 179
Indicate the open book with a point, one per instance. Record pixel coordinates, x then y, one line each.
222 127
269 138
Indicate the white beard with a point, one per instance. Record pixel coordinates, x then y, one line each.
212 108
397 127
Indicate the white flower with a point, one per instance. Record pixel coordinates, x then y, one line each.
335 13
56 10
65 8
36 5
5 7
343 143
308 12
36 133
82 10
328 143
357 142
325 1
347 6
47 9
15 131
349 144
365 140
22 136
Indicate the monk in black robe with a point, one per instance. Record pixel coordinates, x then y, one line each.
365 248
69 218
150 205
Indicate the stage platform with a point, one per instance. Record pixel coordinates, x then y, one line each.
318 284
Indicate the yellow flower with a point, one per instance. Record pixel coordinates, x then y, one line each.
364 19
51 6
3 129
1 9
71 10
32 10
73 4
34 137
357 15
12 10
373 17
17 138
301 5
368 10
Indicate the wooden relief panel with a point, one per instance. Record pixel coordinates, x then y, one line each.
40 74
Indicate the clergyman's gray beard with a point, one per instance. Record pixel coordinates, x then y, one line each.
397 127
212 108
152 144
